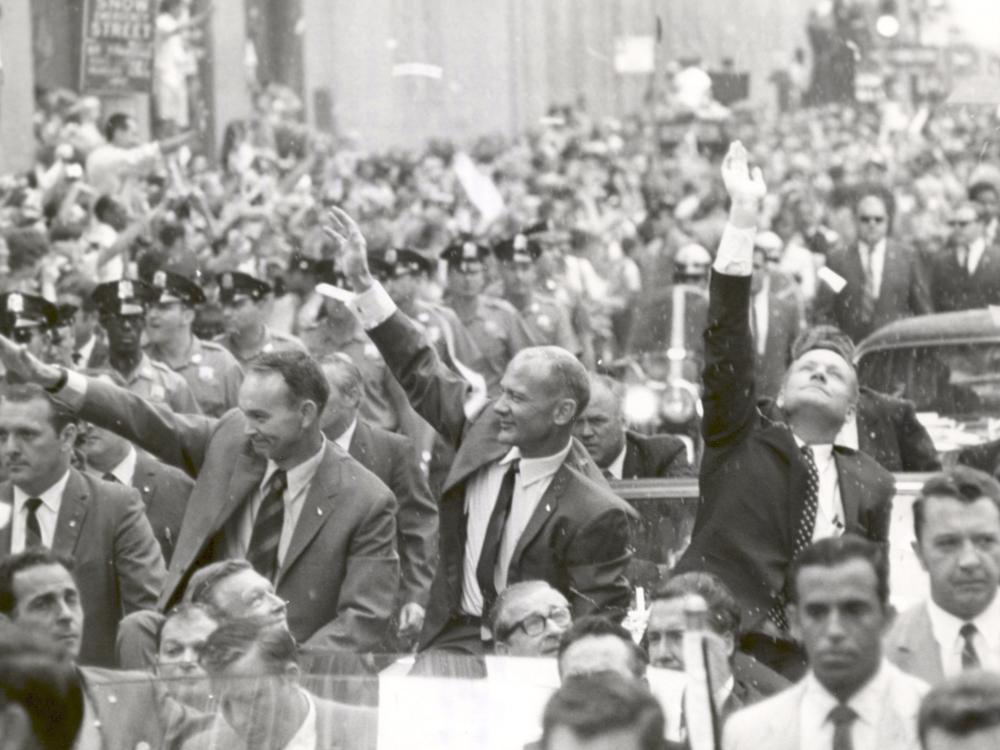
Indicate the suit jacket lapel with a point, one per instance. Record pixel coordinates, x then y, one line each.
891 275
317 508
245 479
6 531
361 444
851 487
71 513
919 650
474 453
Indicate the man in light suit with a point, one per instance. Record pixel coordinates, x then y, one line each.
392 459
123 710
852 697
883 280
164 489
776 319
48 503
523 500
956 521
270 488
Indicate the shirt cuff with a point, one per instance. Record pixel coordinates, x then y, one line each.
74 392
735 256
373 306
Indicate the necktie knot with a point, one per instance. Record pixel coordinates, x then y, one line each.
34 503
278 481
842 715
109 477
968 631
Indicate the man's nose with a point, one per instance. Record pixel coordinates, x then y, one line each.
967 555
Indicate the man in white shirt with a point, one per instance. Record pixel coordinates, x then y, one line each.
957 524
253 668
851 698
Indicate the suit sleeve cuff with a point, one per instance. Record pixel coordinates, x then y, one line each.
373 306
735 256
74 392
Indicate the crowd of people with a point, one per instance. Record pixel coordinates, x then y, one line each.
265 416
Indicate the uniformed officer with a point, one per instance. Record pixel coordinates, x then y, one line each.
547 320
121 307
212 372
245 301
29 319
495 325
338 330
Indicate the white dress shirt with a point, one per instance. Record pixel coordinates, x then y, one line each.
124 472
830 508
873 261
533 478
945 627
299 479
869 703
343 440
617 467
761 305
47 514
976 250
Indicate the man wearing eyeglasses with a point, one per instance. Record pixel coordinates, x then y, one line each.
965 274
528 619
875 280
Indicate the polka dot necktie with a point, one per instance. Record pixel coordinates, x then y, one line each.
810 503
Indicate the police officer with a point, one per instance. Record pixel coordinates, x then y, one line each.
496 327
122 308
245 301
301 282
547 320
29 319
212 372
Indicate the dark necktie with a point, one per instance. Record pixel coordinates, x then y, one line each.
843 718
109 477
32 529
486 568
262 552
970 659
810 503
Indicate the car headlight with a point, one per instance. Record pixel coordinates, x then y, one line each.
640 405
679 402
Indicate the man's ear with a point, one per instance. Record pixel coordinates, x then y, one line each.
68 436
565 411
309 411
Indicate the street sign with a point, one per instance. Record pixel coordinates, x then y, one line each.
117 46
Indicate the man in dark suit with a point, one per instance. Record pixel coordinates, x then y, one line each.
771 480
392 459
883 426
523 499
775 320
621 453
270 488
957 526
164 489
47 503
880 280
965 273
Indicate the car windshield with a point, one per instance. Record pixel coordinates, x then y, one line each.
960 381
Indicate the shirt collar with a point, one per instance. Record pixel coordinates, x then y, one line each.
298 477
848 435
616 468
343 441
868 702
821 451
876 248
51 498
945 626
536 469
125 471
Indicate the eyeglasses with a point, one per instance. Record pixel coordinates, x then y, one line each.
535 624
871 219
956 223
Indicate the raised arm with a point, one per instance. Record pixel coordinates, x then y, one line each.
729 357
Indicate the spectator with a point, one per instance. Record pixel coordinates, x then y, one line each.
528 618
181 642
965 273
852 696
956 522
962 714
595 645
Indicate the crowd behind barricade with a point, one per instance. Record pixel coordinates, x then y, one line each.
270 424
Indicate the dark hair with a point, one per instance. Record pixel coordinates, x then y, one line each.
234 639
11 565
201 587
114 123
963 483
833 551
967 704
595 704
595 625
877 191
823 337
301 373
723 611
169 234
22 393
979 187
104 207
45 686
